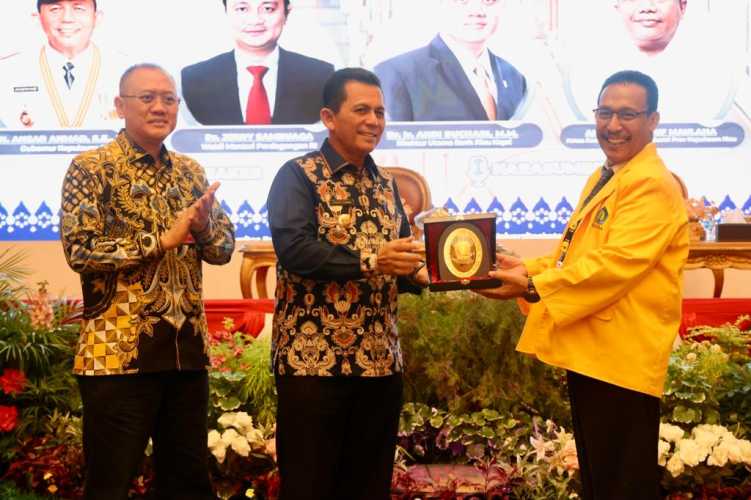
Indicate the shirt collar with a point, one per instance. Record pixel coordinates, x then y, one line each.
135 153
466 58
243 59
336 162
56 59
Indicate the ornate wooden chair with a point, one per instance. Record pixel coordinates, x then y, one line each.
414 192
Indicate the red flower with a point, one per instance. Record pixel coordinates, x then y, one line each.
12 381
8 418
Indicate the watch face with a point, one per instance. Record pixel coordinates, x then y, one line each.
462 252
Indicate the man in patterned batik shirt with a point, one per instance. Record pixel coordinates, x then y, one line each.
137 220
345 252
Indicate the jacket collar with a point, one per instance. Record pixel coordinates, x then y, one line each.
648 152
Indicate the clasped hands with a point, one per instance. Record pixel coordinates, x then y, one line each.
192 220
403 257
512 272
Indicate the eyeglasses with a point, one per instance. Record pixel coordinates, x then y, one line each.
149 98
624 115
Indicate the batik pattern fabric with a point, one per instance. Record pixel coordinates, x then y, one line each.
143 309
342 322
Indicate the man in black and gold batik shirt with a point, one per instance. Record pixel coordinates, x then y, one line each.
345 252
137 221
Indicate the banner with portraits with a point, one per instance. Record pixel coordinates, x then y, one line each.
490 100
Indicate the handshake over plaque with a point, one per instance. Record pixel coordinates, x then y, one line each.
459 249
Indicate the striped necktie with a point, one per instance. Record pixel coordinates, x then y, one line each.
605 176
486 96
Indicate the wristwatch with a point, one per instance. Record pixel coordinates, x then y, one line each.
531 294
413 275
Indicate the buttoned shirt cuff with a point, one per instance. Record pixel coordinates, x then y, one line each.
368 262
150 245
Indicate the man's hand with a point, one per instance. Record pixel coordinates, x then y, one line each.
179 231
399 257
511 271
203 209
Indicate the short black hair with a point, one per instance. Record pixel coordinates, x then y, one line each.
48 2
334 93
286 6
136 67
638 78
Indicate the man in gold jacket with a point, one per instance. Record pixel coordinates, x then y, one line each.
607 303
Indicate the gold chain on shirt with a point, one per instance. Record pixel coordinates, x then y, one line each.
88 94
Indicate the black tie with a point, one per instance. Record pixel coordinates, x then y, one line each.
69 78
605 176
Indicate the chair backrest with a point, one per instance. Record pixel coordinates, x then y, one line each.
413 190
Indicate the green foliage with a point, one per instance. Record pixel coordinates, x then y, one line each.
459 353
242 380
521 458
8 491
12 274
709 378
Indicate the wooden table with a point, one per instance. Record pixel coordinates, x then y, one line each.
718 256
259 256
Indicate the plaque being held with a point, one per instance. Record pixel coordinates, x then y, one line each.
460 250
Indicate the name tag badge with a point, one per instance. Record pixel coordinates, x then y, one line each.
25 89
600 218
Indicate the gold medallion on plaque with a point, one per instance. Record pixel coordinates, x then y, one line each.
462 252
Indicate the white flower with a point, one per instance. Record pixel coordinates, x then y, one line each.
734 450
690 357
663 447
243 422
706 436
227 420
541 447
241 447
671 433
228 436
719 455
255 438
214 438
690 452
745 451
675 466
219 453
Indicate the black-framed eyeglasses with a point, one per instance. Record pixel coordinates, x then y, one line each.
624 115
150 97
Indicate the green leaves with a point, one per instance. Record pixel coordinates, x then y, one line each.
459 354
243 380
685 415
